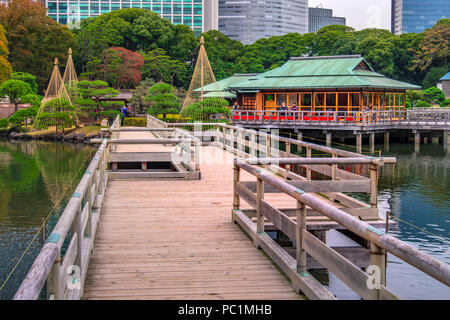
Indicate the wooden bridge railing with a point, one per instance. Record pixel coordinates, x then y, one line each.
362 283
65 275
341 118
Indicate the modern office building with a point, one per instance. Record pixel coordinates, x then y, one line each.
321 17
417 15
250 20
189 12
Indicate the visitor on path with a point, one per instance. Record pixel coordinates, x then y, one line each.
124 112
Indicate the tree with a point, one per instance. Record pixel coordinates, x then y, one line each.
162 100
433 95
140 94
34 39
26 77
5 66
160 67
413 96
433 76
434 48
15 89
208 109
128 71
92 92
57 112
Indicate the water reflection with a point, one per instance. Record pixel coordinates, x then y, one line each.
33 176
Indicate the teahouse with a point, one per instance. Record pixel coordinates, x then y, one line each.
327 83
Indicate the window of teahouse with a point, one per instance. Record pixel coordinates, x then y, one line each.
269 100
306 101
319 101
331 101
343 99
354 99
281 98
293 98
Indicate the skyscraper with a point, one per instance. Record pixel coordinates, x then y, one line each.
188 12
320 17
250 20
417 15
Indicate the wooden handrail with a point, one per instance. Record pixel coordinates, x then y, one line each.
424 262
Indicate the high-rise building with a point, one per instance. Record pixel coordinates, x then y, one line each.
211 15
321 17
417 15
250 20
188 12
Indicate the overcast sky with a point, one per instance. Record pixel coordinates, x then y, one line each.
360 14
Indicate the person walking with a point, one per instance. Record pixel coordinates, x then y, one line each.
124 112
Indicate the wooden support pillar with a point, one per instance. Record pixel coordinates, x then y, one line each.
417 141
308 171
288 155
446 141
224 138
386 140
253 144
268 147
328 139
372 142
359 142
300 138
378 258
259 215
373 174
237 173
114 166
301 227
144 166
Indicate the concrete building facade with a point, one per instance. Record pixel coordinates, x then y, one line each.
250 20
321 17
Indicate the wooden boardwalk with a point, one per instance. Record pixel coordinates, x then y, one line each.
174 239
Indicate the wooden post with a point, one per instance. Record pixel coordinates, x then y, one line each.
308 170
378 258
386 140
224 138
236 201
333 168
359 142
446 140
268 147
232 140
197 154
53 285
300 138
373 172
253 145
288 155
259 198
417 141
372 142
328 139
301 227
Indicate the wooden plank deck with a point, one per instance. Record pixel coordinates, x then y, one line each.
174 239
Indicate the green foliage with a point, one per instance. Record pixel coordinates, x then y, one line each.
135 122
433 76
162 99
208 109
161 67
57 112
92 92
19 117
109 114
26 77
433 95
422 104
15 89
4 123
32 98
445 103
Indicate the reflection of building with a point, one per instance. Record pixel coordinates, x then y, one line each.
248 21
336 83
416 16
320 17
444 85
188 12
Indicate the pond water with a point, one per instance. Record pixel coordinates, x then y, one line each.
34 175
35 178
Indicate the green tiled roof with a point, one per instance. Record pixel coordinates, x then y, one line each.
322 72
222 85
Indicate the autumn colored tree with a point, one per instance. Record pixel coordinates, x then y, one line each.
128 71
34 39
5 66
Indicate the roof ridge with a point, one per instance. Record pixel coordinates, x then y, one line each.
327 57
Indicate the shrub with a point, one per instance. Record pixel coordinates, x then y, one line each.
422 104
207 109
445 103
135 122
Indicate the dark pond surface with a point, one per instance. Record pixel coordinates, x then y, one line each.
35 177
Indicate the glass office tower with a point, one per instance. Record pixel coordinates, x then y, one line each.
417 15
188 12
250 20
321 17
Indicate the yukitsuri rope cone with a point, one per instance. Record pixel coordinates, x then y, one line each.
70 78
203 75
56 112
